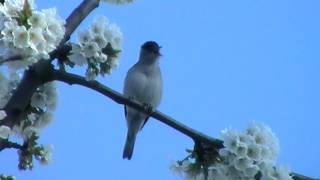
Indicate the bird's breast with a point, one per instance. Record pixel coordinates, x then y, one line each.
144 84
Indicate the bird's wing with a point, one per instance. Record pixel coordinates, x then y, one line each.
135 83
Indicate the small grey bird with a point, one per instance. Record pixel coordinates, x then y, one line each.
144 84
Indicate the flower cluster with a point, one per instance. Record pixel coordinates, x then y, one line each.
249 154
98 47
7 86
117 1
4 132
38 115
28 33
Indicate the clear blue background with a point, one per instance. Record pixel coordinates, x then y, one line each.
225 64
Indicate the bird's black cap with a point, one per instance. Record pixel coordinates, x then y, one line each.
151 46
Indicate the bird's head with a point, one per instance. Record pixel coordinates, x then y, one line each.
150 51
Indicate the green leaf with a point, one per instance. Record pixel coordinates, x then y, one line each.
109 51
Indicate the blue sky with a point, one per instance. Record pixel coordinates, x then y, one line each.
224 64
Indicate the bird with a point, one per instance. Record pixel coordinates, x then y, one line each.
143 83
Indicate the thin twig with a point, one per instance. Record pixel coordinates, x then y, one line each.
5 143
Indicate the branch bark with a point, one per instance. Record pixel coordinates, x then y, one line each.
8 144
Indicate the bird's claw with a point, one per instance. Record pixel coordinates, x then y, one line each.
130 98
148 108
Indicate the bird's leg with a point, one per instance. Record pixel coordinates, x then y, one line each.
148 108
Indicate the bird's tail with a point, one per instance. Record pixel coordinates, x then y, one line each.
129 146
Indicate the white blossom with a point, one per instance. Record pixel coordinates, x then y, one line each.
77 56
24 132
245 154
43 120
251 171
230 139
3 87
113 35
38 100
242 163
3 114
100 40
114 62
98 25
4 132
2 20
7 32
45 97
49 89
20 37
36 38
93 47
31 40
254 152
264 136
90 49
37 20
8 84
216 173
101 58
84 36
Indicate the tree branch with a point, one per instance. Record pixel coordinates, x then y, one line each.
5 143
120 99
